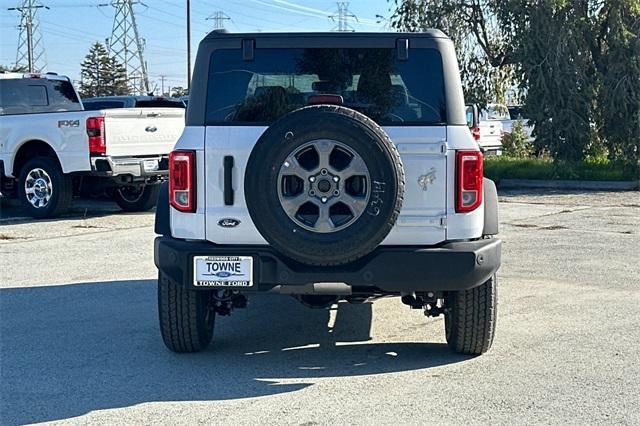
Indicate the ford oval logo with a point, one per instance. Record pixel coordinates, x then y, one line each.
228 222
151 129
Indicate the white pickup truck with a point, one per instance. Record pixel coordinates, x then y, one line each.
486 132
51 148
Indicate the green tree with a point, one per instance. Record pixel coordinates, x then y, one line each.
557 65
517 144
484 49
179 91
102 75
5 68
619 98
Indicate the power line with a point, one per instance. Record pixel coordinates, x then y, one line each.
342 18
126 45
162 78
30 53
218 19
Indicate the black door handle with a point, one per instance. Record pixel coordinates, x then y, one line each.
228 180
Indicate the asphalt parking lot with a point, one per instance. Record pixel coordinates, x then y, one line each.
80 342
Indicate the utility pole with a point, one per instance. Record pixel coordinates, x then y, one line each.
218 19
162 77
188 45
342 17
126 45
30 51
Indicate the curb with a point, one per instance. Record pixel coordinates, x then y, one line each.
593 185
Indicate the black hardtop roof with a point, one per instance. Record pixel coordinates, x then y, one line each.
222 34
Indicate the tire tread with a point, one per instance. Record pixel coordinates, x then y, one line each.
147 200
471 319
181 323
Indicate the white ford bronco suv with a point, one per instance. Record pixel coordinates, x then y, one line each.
331 167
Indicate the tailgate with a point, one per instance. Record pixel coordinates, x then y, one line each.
142 131
491 130
422 218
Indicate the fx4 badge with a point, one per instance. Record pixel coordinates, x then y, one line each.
68 123
228 222
427 179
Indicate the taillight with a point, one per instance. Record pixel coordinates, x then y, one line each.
95 131
182 184
475 132
469 178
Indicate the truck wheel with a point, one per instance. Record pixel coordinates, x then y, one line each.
136 198
44 190
186 322
324 185
470 318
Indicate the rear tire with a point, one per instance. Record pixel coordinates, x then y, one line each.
131 199
470 318
186 321
50 190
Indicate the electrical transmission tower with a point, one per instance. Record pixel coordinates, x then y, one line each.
126 45
30 53
218 19
342 17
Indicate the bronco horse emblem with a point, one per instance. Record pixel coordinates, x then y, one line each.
425 180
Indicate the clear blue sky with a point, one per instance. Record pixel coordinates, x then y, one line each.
69 27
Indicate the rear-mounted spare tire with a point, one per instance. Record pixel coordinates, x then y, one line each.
324 185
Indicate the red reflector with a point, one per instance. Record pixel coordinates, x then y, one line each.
182 180
96 133
469 180
325 99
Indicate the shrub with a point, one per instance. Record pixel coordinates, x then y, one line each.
517 144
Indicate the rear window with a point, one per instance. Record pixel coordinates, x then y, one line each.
30 96
97 105
372 81
160 103
497 112
517 113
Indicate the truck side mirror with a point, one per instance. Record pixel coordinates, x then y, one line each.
472 115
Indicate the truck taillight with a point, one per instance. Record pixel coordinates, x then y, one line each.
95 131
475 132
182 184
469 178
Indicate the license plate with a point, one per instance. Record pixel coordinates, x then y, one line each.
223 271
150 165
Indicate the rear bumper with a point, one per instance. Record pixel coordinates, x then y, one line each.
131 166
390 269
491 148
